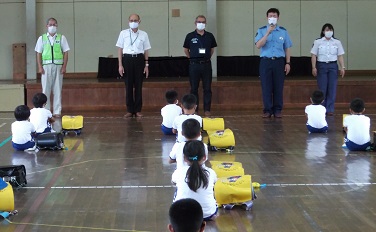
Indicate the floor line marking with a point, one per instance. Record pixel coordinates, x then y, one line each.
5 141
172 186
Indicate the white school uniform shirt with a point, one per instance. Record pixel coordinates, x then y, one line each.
21 131
178 155
39 118
358 127
316 116
178 123
63 43
133 43
204 196
327 50
169 113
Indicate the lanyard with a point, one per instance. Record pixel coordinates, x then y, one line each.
130 35
201 42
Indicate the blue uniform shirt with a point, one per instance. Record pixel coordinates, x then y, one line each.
277 42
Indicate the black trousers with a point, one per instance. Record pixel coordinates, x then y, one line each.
197 72
134 77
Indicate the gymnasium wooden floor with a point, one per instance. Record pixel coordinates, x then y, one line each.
115 176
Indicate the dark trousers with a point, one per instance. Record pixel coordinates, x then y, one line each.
272 75
327 76
134 77
197 72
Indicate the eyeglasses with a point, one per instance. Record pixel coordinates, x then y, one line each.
133 20
200 21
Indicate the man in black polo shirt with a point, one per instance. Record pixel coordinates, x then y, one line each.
199 47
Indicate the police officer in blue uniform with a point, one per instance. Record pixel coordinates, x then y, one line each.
274 43
325 53
199 47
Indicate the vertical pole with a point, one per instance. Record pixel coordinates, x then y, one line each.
211 11
31 64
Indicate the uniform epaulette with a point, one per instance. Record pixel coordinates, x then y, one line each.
318 38
282 28
263 27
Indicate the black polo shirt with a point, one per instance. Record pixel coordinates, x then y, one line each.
194 41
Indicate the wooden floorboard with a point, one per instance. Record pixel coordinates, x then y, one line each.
115 176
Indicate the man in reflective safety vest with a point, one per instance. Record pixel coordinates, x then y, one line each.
52 58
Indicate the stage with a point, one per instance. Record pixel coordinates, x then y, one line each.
87 93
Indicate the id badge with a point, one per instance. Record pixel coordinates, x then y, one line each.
201 50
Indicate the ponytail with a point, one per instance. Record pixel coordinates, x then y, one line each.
197 176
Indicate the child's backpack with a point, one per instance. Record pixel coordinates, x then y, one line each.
234 190
50 140
226 169
221 139
72 124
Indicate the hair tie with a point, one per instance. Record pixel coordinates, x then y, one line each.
193 158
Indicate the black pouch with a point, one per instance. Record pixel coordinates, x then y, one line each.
14 174
53 141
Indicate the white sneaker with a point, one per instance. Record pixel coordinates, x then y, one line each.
31 148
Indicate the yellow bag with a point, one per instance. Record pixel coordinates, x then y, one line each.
210 124
72 123
343 119
222 139
234 190
7 199
226 169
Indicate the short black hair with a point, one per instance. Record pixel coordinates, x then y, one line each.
317 97
189 101
191 128
357 105
326 25
186 215
171 96
272 10
39 100
22 113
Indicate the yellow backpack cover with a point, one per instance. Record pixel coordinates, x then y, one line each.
234 190
210 124
221 138
226 169
7 199
72 122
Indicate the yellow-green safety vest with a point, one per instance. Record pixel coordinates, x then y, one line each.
52 54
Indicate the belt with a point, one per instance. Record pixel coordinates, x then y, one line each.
272 58
199 61
133 55
327 62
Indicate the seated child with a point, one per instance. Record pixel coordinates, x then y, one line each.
41 117
196 181
357 127
186 215
316 122
192 131
189 109
22 130
169 112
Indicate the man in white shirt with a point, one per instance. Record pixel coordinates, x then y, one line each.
52 58
133 45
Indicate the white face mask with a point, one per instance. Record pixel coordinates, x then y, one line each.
328 34
133 25
52 29
272 21
200 26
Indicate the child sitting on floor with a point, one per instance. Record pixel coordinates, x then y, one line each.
196 181
191 130
41 117
169 112
316 122
186 215
357 127
22 130
189 109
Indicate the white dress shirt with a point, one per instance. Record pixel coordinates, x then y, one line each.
133 43
327 50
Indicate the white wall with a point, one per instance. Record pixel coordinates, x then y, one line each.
92 27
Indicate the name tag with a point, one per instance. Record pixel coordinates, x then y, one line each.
201 50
